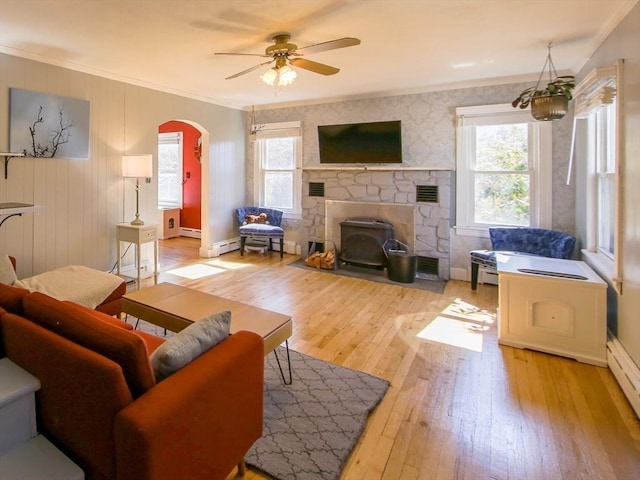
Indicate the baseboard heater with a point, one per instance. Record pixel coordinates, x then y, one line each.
625 371
225 246
190 232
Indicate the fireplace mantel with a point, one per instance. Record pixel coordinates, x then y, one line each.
376 168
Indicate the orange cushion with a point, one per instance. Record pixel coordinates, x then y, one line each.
116 322
152 341
11 298
85 328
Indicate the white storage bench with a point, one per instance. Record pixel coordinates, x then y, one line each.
554 306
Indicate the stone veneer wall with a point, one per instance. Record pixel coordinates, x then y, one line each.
432 220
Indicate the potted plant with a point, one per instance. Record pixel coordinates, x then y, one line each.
549 103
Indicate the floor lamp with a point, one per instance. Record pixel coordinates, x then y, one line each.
137 166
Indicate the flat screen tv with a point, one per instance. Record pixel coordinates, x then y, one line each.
374 142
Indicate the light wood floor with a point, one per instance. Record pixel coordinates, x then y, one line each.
459 405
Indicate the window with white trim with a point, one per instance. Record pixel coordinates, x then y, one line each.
278 167
170 170
602 128
596 100
503 169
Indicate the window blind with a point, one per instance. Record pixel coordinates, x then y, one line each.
597 89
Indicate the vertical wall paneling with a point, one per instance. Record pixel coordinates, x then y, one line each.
82 200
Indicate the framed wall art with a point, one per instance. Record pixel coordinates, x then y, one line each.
48 126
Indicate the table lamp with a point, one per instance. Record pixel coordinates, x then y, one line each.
137 166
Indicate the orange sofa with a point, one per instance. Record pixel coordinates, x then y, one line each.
99 402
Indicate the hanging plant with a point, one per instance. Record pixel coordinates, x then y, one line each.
552 101
561 86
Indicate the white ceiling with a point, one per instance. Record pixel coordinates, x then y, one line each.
408 46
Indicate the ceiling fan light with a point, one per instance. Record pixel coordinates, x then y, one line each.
269 77
287 75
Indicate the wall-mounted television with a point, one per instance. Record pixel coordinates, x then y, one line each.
374 142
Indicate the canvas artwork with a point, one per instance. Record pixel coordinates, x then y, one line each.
48 126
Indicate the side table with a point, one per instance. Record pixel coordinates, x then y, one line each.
138 234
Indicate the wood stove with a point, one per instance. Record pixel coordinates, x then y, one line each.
362 241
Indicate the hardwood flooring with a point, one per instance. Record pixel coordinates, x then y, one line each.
460 406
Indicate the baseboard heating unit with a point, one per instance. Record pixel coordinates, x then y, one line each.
190 232
225 246
625 370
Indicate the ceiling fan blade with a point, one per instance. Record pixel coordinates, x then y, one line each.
248 70
314 66
330 45
244 54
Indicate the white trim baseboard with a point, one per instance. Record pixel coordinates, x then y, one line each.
459 274
625 371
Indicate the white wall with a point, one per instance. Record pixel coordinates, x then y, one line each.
84 199
623 43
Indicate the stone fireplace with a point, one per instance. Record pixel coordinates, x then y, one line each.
416 201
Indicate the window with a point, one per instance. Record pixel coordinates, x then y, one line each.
596 110
503 172
602 128
278 172
170 170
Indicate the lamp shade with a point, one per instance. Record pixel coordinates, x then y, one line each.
286 76
269 77
137 166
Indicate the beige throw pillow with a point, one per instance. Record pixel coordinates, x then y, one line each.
7 273
189 344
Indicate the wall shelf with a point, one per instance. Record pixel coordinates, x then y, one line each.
13 209
7 157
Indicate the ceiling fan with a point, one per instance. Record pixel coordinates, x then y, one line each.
283 52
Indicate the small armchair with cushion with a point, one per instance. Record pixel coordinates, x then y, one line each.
260 222
521 241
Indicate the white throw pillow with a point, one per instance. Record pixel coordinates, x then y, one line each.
189 344
7 273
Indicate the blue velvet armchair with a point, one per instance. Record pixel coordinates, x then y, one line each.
521 241
260 222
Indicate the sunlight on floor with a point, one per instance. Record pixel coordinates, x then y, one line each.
201 270
460 324
196 271
227 265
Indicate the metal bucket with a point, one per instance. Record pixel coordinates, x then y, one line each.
401 264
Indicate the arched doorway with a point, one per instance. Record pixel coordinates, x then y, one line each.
192 175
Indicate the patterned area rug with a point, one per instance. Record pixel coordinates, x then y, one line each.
312 425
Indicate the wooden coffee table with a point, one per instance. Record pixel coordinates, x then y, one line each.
175 307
